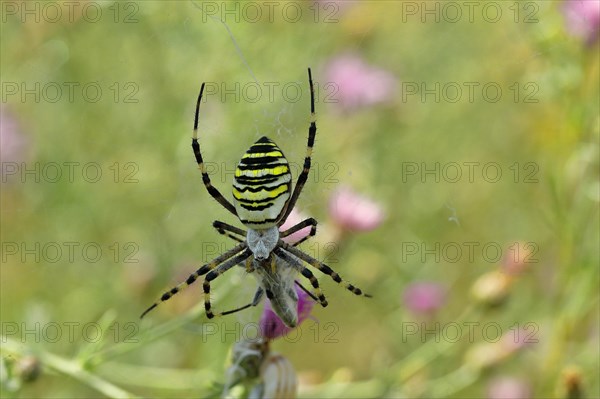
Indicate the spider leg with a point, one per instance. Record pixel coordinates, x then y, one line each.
216 272
305 223
295 263
200 272
205 178
257 298
312 132
310 294
322 267
226 230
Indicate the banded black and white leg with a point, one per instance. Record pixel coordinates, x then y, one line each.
216 272
305 223
297 264
212 190
322 267
226 259
235 233
312 132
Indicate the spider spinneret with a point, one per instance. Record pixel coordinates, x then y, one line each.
262 201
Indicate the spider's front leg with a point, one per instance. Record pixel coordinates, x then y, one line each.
212 190
226 260
230 231
305 223
213 274
312 132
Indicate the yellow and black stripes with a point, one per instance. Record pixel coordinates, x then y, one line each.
223 262
262 185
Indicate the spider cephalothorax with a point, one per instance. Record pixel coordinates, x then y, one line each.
262 201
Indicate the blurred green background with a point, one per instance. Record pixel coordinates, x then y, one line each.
70 324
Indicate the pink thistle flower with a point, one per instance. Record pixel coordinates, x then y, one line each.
14 143
518 256
354 212
508 388
582 19
424 297
359 84
293 219
271 325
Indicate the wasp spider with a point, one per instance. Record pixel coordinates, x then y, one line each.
262 201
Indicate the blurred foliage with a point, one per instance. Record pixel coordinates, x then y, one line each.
149 206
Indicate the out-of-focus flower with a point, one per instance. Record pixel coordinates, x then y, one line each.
497 349
424 297
517 258
267 374
247 357
518 338
13 146
359 84
354 212
571 383
271 325
293 219
28 368
508 388
491 288
582 18
278 379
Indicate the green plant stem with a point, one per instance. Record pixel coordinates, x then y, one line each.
148 335
68 367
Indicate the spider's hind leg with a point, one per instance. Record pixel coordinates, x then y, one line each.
323 268
296 264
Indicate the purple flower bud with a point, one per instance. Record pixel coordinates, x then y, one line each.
359 84
508 388
354 212
271 325
582 19
424 297
14 143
